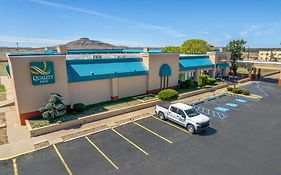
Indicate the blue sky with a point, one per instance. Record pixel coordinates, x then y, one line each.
140 23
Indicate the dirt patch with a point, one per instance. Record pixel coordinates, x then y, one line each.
3 130
3 96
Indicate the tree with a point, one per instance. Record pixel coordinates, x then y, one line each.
172 49
236 47
192 46
195 46
55 107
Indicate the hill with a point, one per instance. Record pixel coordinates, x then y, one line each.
86 43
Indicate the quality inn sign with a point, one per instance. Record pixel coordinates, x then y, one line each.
42 72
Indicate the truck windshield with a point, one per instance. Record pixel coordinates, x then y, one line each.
191 112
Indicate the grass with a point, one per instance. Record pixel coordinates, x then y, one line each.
2 88
3 71
242 70
38 122
2 93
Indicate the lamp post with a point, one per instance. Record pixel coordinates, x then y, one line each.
17 46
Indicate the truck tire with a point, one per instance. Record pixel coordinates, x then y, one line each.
190 128
161 115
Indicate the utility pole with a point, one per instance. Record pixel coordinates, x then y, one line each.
17 46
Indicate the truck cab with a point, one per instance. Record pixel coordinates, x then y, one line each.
184 115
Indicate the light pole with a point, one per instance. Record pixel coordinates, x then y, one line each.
17 46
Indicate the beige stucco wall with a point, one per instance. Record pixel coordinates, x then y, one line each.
29 97
154 62
90 92
131 86
219 57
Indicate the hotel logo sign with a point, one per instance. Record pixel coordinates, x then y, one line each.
42 72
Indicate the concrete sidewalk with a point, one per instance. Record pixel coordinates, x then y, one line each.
20 142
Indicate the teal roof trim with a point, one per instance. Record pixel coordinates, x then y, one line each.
195 62
87 70
99 51
165 70
225 65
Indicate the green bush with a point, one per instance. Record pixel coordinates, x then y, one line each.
168 94
229 88
245 92
79 107
187 83
55 108
202 81
211 81
237 90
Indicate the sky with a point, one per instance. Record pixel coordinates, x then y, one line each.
146 23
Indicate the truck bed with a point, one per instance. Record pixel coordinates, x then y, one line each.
165 105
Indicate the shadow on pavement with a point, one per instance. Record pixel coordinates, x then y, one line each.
210 131
269 80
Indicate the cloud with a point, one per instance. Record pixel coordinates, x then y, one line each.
163 29
250 29
258 30
204 32
11 41
27 41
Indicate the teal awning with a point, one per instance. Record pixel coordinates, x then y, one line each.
165 70
86 70
195 62
225 65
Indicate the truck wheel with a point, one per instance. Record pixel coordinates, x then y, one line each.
161 116
190 128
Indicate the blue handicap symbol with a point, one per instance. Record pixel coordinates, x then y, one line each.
241 100
221 109
231 104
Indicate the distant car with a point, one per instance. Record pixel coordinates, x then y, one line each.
184 115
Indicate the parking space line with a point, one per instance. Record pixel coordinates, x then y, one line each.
62 160
173 125
152 132
102 153
15 166
132 143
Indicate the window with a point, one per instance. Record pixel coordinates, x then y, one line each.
191 112
180 112
173 109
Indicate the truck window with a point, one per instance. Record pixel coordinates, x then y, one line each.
173 109
180 112
191 112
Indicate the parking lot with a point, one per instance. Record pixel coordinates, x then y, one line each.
247 141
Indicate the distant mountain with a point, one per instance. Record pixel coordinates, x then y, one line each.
86 43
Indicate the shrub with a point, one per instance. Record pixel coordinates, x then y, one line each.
55 108
187 83
211 81
237 90
202 81
79 107
245 92
168 94
229 88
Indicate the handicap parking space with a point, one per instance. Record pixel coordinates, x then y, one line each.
6 167
223 105
82 158
121 152
45 161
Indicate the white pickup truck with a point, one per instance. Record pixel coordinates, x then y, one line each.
184 115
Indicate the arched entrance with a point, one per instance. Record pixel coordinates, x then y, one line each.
164 73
